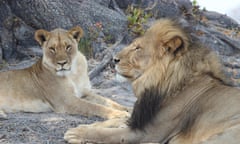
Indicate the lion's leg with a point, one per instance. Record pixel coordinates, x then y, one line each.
84 134
74 105
111 123
95 98
228 136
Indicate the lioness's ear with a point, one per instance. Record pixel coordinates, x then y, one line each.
76 32
41 36
174 45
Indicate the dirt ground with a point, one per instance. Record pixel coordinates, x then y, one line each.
49 128
43 128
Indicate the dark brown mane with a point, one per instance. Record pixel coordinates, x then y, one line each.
146 108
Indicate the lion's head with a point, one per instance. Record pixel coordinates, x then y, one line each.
164 57
150 49
59 49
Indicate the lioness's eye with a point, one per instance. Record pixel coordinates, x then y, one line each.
69 47
52 49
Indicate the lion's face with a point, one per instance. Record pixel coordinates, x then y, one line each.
156 47
134 59
59 49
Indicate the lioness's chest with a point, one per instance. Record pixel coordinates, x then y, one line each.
77 85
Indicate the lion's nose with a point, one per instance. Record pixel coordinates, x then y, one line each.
116 60
62 62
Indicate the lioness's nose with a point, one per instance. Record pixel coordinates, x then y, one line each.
116 60
62 62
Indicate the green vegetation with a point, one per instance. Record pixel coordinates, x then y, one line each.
93 34
137 17
3 64
85 46
195 9
195 3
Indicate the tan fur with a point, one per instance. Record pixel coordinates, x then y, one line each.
58 82
195 105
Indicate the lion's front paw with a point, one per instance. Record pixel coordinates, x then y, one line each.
71 136
75 136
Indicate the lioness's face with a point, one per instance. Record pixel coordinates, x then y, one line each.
59 49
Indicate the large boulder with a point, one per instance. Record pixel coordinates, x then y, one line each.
19 20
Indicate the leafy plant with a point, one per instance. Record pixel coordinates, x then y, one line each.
94 34
85 46
137 17
194 3
3 64
108 38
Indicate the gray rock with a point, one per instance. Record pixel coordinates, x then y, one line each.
19 20
220 19
159 8
1 56
124 3
6 36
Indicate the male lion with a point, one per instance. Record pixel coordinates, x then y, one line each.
180 91
58 82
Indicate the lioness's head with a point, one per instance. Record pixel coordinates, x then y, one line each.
59 48
161 43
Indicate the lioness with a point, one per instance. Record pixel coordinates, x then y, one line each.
58 82
180 91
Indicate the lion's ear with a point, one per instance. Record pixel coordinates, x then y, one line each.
174 45
41 36
76 32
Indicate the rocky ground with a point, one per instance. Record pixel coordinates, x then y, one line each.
43 128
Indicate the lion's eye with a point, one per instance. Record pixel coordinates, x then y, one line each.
52 49
69 47
138 48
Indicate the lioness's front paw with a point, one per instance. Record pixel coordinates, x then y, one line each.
119 114
2 115
75 136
